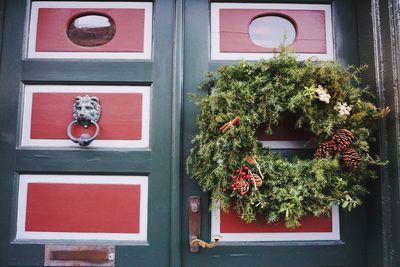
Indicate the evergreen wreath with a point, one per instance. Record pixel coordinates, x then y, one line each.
325 99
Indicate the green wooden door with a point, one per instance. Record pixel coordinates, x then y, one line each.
199 58
149 164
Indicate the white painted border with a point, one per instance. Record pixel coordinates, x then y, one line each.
215 29
26 140
235 237
24 180
148 19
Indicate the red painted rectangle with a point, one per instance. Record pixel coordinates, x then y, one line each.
91 208
121 116
53 22
231 223
285 131
234 24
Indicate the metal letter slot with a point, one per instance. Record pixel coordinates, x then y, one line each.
86 111
65 255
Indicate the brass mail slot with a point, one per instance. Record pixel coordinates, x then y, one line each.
79 255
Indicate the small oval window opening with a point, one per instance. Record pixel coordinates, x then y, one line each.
272 31
91 30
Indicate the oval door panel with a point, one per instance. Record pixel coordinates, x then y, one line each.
91 30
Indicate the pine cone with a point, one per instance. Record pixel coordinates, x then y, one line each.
343 139
326 149
257 180
243 187
351 158
250 160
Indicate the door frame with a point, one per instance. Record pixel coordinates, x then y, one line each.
384 204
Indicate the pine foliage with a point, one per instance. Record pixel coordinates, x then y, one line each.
261 94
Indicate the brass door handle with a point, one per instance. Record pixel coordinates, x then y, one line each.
194 218
203 244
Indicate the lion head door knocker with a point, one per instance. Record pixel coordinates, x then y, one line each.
86 111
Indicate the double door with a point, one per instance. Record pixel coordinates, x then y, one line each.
126 193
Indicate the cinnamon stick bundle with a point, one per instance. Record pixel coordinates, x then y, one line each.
230 124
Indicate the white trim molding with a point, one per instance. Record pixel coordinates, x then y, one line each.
147 40
26 179
303 236
216 54
29 90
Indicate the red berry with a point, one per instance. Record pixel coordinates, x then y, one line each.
248 176
224 190
246 168
234 177
237 171
243 174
